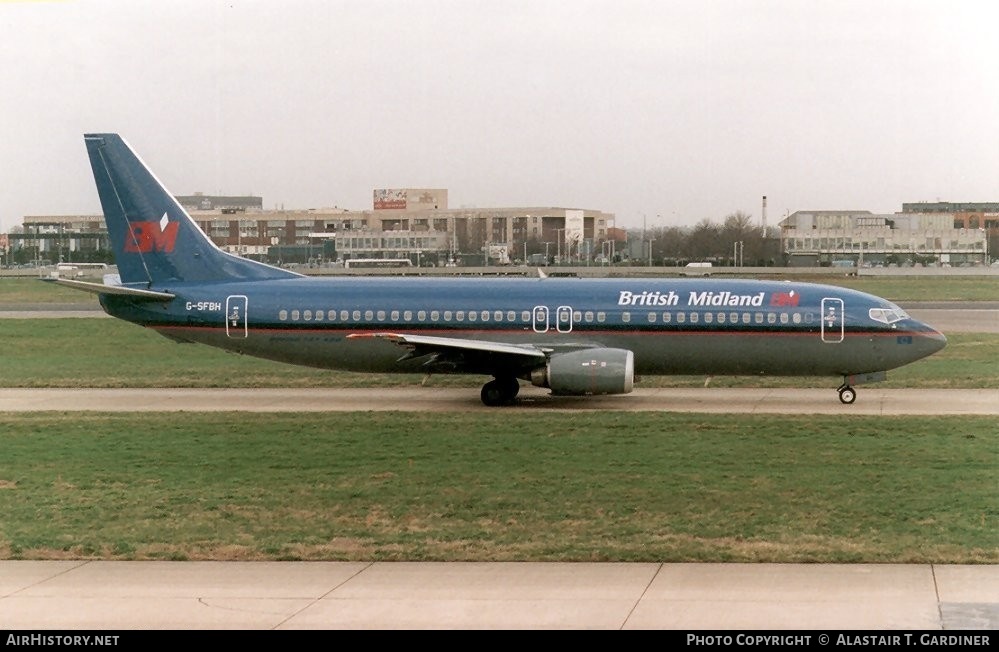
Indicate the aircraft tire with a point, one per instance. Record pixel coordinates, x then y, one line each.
511 387
500 391
847 395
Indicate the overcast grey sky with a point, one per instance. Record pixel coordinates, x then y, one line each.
672 110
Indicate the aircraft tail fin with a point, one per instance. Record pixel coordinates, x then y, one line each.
154 240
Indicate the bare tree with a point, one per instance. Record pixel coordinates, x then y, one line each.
739 234
704 242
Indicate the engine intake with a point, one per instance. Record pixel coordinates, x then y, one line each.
590 371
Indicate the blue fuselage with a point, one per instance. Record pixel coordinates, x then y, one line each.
673 326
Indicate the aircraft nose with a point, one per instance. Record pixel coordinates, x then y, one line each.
930 340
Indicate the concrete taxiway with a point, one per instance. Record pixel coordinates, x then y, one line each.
98 595
870 400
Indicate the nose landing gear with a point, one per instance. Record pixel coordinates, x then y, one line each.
847 394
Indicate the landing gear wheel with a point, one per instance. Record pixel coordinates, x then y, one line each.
500 391
511 387
847 394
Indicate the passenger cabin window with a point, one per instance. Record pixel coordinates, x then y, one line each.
283 315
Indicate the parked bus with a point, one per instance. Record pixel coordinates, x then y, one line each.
377 262
72 266
77 269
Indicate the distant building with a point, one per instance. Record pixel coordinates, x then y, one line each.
60 238
414 223
832 237
226 204
967 215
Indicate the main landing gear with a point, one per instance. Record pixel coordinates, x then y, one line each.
500 391
847 394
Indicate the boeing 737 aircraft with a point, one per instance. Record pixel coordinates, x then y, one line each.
573 336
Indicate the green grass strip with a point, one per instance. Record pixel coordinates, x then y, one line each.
591 486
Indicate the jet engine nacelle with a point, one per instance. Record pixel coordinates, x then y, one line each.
590 371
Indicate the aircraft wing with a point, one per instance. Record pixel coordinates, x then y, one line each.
101 288
470 356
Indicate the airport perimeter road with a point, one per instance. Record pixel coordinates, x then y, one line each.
870 400
100 595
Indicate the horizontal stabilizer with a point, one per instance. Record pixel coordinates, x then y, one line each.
119 290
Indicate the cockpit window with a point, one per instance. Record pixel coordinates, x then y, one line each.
888 315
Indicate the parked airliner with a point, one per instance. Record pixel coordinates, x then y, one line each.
573 336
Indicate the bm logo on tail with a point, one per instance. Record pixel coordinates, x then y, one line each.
149 237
